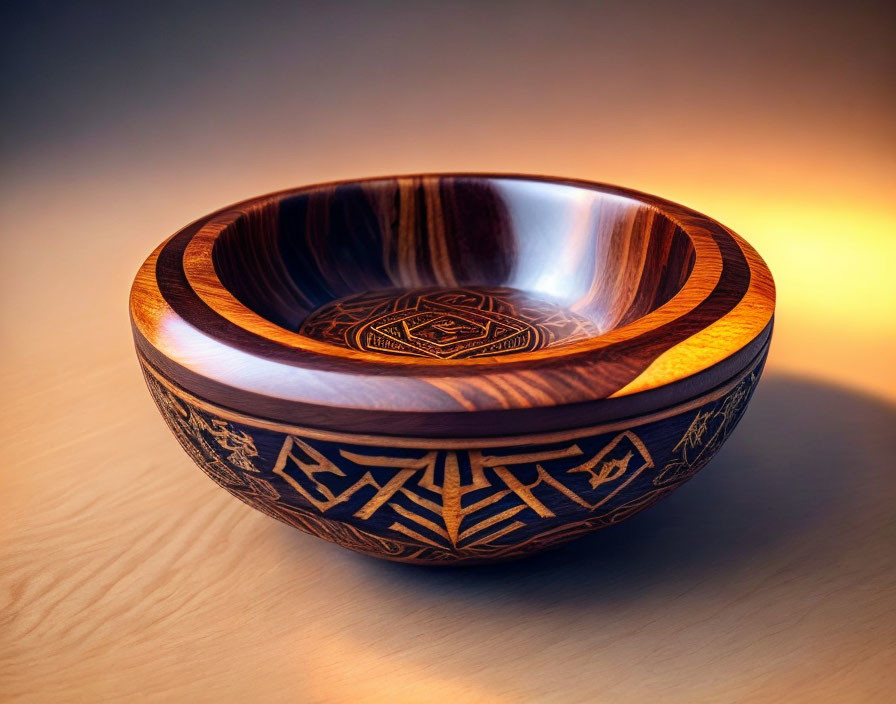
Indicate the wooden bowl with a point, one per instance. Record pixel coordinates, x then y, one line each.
452 368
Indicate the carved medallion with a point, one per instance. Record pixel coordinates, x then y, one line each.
446 323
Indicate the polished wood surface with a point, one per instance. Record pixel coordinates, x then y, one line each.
673 303
531 309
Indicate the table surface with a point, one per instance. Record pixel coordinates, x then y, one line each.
126 574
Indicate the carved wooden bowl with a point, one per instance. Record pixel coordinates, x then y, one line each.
452 368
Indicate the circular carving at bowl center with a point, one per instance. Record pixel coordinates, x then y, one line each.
444 323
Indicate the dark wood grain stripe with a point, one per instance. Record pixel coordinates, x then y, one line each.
584 376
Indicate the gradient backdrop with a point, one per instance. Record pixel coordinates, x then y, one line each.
124 121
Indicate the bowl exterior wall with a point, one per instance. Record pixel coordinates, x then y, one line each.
434 501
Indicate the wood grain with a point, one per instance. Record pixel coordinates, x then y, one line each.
537 311
679 303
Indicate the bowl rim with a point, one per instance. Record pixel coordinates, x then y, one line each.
203 278
186 323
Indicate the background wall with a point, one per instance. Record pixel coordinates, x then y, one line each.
124 121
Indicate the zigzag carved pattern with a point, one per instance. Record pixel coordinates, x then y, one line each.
446 506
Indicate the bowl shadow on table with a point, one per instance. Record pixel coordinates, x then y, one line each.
802 457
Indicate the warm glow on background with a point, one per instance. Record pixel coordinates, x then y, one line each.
124 122
122 126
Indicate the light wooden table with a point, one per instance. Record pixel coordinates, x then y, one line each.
126 574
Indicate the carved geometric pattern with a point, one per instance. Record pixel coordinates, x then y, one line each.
446 323
444 505
457 500
705 434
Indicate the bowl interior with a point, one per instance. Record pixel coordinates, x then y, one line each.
452 266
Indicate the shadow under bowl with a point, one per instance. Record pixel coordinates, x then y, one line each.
452 368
